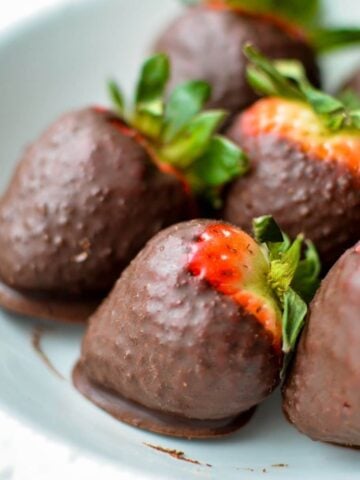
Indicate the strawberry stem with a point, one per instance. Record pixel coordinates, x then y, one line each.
293 279
178 131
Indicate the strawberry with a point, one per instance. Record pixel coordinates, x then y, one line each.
275 117
321 395
220 309
206 42
97 185
303 146
233 263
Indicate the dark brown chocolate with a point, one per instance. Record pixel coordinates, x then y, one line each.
304 194
322 392
141 417
84 200
168 341
205 44
69 310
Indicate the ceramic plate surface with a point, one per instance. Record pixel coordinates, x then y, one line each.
61 61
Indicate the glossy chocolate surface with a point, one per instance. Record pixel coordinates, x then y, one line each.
83 201
305 194
170 342
206 44
322 392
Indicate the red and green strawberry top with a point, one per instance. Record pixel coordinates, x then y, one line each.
180 136
322 126
267 277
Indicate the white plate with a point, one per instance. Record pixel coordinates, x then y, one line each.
54 63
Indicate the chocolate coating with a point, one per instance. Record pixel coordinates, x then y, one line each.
83 201
69 310
158 422
322 392
304 194
205 44
168 341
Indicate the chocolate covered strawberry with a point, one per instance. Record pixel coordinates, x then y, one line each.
215 306
322 391
303 147
206 42
91 191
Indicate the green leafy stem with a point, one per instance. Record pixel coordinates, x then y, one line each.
180 132
287 79
294 275
307 14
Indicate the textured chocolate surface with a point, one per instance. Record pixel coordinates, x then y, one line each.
304 194
322 392
208 45
83 201
166 424
168 341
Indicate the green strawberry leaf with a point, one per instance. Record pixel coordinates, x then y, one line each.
184 103
221 163
321 102
179 132
350 99
294 315
355 118
194 139
284 267
266 78
287 78
306 279
262 84
266 230
148 123
151 85
117 98
293 276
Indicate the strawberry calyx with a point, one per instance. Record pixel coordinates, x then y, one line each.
234 264
287 79
130 132
267 276
178 133
297 123
124 129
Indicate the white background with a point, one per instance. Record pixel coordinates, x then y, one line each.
14 10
